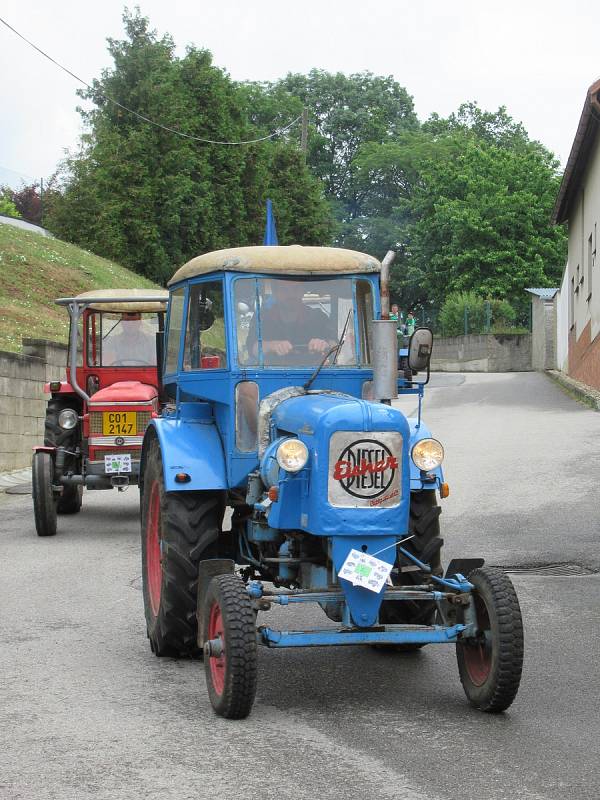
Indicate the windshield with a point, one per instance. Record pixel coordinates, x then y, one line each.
121 340
293 323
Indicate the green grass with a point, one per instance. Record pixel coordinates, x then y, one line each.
35 270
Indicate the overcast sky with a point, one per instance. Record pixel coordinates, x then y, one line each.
536 58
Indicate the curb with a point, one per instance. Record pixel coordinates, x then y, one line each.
581 391
10 479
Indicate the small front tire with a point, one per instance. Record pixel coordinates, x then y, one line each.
228 618
490 664
44 501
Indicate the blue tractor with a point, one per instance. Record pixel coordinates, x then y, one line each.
280 473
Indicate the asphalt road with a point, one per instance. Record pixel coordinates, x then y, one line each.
86 711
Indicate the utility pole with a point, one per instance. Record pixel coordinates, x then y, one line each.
41 202
304 139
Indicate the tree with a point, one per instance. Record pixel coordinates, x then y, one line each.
7 206
345 113
29 203
469 199
151 199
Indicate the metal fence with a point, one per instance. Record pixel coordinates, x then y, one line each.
479 320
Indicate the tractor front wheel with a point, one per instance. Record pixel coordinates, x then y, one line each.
44 501
490 663
230 657
179 529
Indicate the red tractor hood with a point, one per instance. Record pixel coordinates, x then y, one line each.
125 392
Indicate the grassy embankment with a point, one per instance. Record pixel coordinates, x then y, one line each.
34 270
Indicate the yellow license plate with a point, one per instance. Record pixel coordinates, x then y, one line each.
119 423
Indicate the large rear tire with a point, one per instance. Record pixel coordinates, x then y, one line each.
230 621
44 500
491 663
179 529
424 526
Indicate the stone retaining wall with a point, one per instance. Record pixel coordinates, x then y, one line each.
22 398
485 353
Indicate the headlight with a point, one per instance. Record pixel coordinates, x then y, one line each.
427 454
292 455
68 418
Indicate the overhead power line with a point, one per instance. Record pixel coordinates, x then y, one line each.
278 132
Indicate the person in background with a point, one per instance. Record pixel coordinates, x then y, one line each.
410 324
394 313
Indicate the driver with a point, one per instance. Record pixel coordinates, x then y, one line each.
131 344
288 324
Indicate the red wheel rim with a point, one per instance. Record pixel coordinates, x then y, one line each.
217 663
153 565
478 654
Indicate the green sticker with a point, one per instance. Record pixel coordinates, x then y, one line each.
364 570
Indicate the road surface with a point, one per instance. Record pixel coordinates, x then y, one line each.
86 711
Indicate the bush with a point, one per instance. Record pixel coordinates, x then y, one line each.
7 207
452 315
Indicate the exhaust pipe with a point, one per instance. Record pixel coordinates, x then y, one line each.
385 341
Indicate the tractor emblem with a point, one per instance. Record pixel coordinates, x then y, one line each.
364 471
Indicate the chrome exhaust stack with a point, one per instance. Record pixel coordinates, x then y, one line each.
385 341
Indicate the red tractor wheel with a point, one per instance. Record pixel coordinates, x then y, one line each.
44 499
178 528
230 651
490 663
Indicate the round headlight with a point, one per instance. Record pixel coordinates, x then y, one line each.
427 454
292 455
68 418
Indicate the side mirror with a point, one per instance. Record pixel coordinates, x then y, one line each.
419 349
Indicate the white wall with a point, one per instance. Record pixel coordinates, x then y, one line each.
584 221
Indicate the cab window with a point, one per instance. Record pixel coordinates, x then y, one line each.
174 332
205 343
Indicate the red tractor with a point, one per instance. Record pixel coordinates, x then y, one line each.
97 416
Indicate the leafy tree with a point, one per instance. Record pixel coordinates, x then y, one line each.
471 200
7 206
29 203
151 199
345 113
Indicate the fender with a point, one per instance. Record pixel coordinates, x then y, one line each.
192 446
65 388
416 434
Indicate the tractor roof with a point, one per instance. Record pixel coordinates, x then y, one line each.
121 300
275 260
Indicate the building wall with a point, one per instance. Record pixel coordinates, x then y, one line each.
22 398
584 275
543 333
561 304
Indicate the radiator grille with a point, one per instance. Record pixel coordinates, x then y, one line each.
142 420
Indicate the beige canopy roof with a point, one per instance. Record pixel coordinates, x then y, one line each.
291 260
125 300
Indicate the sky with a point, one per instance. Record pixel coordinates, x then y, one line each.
536 58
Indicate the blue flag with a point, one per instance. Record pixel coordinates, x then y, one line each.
270 236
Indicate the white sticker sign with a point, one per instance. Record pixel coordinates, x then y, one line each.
364 570
117 462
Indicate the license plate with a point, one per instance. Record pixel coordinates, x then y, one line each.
119 423
117 462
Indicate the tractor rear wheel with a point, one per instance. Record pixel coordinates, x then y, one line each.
179 529
230 658
424 526
490 664
69 502
44 500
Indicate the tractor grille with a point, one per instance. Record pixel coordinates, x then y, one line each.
142 420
